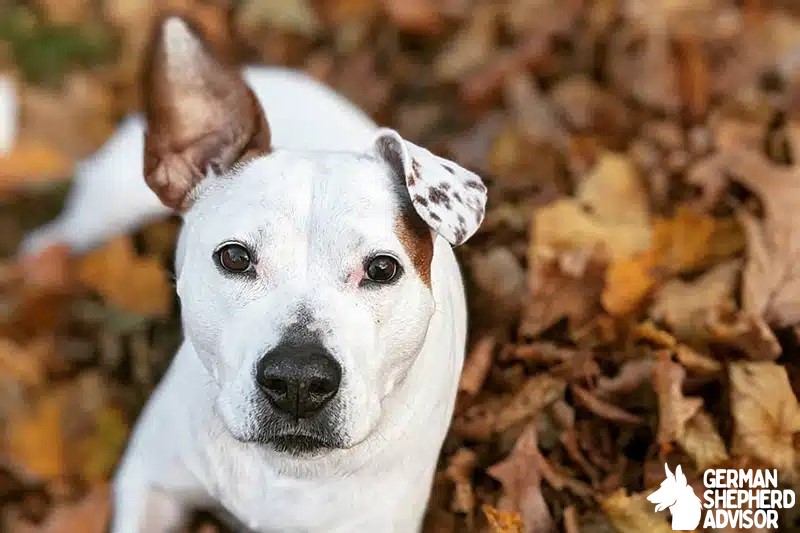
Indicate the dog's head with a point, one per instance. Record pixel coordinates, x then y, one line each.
305 278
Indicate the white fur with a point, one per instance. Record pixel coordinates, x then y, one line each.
312 211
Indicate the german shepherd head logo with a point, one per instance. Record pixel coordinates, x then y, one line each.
675 494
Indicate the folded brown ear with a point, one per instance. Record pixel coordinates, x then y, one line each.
200 114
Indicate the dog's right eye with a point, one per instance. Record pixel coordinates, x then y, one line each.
234 258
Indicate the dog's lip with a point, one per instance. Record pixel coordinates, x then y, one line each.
298 443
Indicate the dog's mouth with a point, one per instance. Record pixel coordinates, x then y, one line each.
298 444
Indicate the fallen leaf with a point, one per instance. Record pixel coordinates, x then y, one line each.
32 163
459 470
89 515
477 366
674 409
470 47
562 286
502 521
765 414
35 438
293 16
521 481
771 280
702 442
416 16
627 283
610 209
745 332
603 409
685 307
633 514
138 285
695 361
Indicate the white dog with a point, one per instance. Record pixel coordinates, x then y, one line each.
322 306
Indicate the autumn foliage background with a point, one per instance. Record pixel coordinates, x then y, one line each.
634 291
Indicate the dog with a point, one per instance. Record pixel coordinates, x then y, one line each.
322 307
675 494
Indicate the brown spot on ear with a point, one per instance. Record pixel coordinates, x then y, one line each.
417 240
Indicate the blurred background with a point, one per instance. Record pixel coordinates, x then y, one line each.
634 290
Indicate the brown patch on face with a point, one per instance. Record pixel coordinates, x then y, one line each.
417 240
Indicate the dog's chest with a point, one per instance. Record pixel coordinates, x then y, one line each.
266 502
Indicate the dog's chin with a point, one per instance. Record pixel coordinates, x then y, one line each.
300 445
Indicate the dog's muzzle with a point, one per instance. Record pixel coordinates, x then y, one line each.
299 381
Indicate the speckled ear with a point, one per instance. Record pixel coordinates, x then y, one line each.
449 198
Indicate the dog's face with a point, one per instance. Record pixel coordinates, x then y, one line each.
316 231
305 279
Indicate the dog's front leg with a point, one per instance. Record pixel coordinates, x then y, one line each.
139 509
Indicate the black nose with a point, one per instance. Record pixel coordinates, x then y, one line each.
298 380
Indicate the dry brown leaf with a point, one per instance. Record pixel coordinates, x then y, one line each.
702 442
685 306
603 409
89 515
632 374
633 514
765 413
415 16
748 333
477 366
771 284
138 285
564 286
24 365
471 47
537 393
502 521
674 409
610 209
459 470
521 480
695 361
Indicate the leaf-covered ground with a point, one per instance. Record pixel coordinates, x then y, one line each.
634 291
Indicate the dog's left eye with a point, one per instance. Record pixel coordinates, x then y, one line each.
234 257
382 269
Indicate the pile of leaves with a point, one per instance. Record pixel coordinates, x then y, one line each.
634 292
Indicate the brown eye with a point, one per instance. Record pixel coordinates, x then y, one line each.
234 258
382 269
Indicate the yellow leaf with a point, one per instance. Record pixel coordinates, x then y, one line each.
35 438
766 414
101 450
627 283
138 285
633 514
31 163
610 209
702 442
502 521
